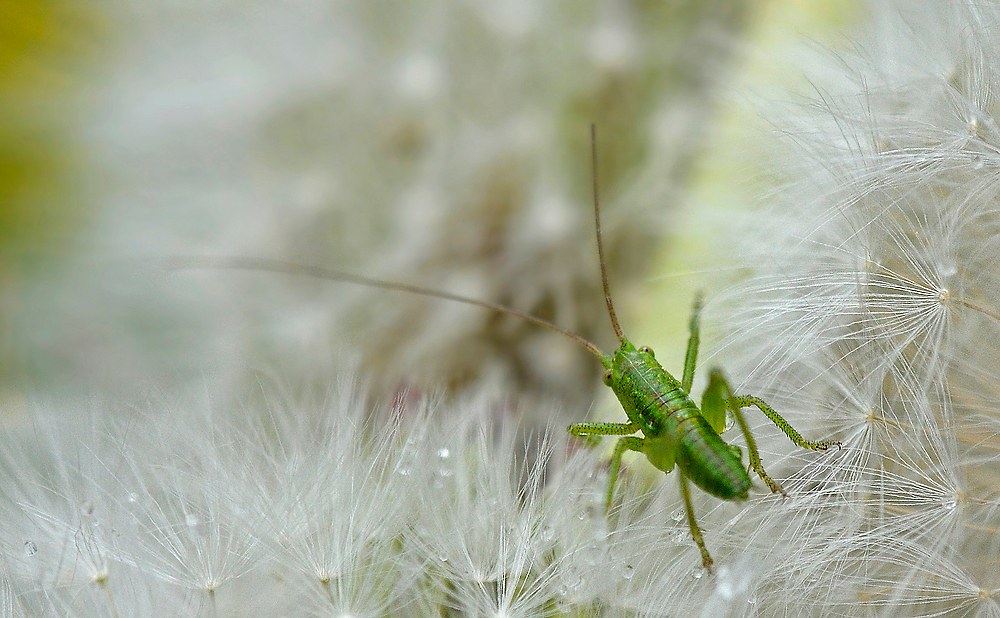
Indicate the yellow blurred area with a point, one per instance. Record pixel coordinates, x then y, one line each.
47 49
689 257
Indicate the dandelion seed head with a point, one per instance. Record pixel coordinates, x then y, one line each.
420 76
870 316
876 279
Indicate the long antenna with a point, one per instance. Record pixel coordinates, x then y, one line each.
278 266
600 246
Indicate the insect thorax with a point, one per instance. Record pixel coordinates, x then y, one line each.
650 396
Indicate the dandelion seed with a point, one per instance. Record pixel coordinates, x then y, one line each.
182 509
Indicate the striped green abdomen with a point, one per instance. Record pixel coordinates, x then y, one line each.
656 402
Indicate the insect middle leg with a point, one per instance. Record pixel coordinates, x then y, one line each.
691 357
706 559
630 443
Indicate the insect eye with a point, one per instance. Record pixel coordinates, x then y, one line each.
647 350
608 377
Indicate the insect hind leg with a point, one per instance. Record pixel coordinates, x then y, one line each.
735 404
755 462
749 400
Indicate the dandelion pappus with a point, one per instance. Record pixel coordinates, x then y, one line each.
675 432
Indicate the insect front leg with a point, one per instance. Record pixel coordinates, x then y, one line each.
590 430
706 559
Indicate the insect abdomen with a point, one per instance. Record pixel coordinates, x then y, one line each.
656 401
709 462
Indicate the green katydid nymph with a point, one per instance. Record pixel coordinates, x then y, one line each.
675 432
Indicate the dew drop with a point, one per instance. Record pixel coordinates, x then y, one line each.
752 599
592 555
948 267
699 572
444 453
612 46
950 504
420 77
725 588
132 496
30 548
599 531
677 515
974 125
627 571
